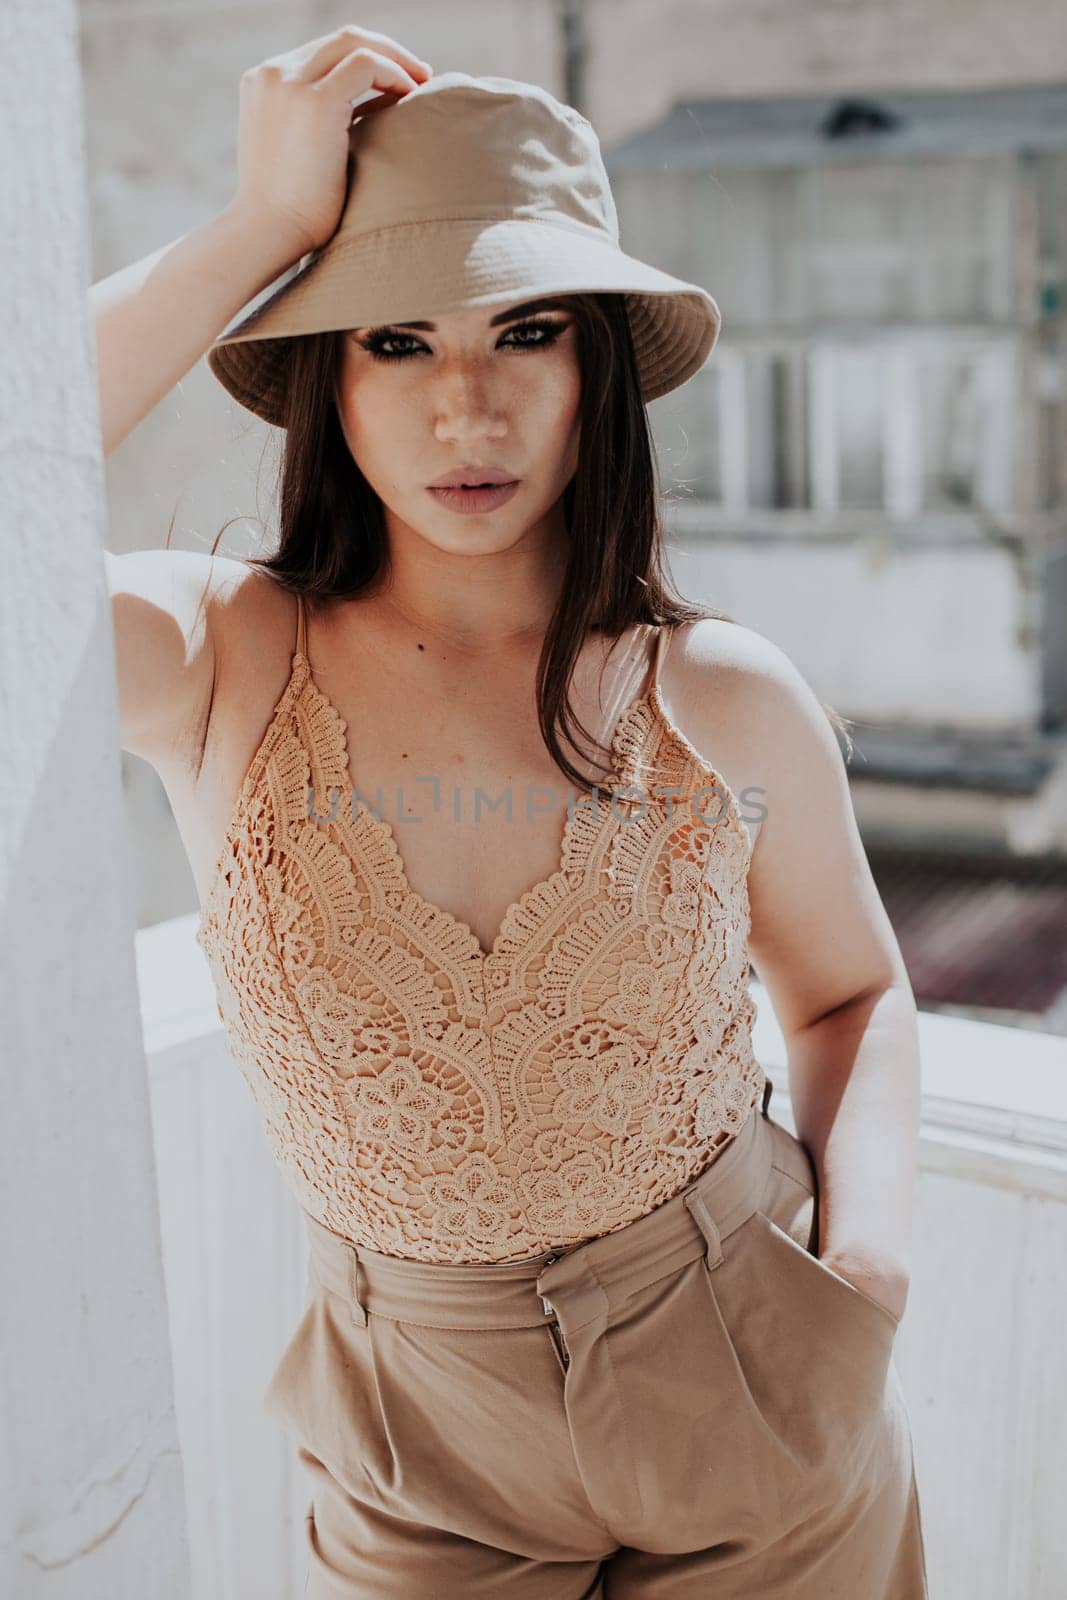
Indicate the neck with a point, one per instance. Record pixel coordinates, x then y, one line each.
474 601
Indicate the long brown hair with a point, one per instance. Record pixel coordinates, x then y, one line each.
333 540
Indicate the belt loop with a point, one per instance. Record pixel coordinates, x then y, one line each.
706 1223
768 1090
359 1310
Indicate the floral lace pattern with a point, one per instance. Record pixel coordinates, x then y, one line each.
431 1100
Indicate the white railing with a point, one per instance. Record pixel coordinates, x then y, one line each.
979 1350
900 418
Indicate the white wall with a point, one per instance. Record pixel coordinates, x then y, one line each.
887 629
91 1489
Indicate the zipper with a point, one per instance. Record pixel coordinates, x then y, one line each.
554 1329
549 1308
556 1335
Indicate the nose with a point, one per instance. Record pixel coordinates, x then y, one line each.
468 406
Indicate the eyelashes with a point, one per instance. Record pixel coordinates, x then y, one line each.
377 339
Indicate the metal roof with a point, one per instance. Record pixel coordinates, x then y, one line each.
805 130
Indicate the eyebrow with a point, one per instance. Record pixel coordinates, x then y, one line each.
513 315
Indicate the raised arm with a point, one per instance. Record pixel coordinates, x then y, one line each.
153 320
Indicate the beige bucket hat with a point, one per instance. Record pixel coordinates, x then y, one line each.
467 191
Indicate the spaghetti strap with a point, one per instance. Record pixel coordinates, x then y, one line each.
301 627
664 635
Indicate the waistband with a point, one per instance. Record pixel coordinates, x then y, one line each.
589 1278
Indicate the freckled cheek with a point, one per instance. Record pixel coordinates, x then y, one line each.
555 401
385 421
377 424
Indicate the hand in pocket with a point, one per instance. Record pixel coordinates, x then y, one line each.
888 1291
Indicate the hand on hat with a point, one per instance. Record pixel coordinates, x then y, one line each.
295 114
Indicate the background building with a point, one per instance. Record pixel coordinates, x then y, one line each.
871 470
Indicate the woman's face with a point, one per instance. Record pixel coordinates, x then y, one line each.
493 387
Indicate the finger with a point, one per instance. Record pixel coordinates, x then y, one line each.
351 75
322 55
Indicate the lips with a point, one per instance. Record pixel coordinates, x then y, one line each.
468 500
472 477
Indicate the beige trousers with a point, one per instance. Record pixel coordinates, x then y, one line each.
691 1406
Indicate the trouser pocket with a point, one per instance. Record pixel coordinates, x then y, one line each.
815 1351
790 1205
323 1392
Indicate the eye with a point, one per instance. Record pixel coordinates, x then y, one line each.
550 330
378 339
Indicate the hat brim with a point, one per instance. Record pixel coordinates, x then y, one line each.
375 278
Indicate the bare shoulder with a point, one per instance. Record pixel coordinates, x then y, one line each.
174 615
164 605
737 657
750 713
255 617
749 686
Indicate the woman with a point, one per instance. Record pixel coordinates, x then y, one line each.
582 1317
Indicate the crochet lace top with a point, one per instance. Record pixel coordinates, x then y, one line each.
431 1100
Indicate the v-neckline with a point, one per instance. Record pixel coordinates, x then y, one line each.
478 954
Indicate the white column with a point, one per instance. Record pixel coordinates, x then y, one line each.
91 1491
